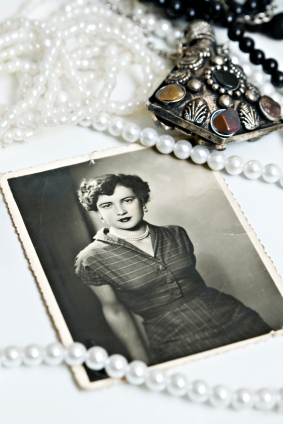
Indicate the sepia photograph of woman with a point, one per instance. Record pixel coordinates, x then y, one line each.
148 271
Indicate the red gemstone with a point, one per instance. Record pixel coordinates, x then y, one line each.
227 122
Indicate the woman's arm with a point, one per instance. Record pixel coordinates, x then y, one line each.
120 321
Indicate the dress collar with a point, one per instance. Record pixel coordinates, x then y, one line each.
103 235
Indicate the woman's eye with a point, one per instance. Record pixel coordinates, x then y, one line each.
128 200
106 206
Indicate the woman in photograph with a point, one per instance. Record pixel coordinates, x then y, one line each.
135 267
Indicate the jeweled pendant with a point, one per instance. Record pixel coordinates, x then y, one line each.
207 96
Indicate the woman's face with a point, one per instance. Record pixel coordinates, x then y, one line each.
122 209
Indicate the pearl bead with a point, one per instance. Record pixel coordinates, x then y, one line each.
33 355
4 124
216 160
199 154
234 59
116 366
75 354
28 134
156 380
253 169
220 397
243 399
8 137
149 137
247 68
281 180
177 385
266 89
12 356
173 36
63 97
234 165
136 372
18 134
182 149
54 354
198 391
97 357
101 121
131 132
271 173
125 59
265 399
162 28
86 122
116 126
150 21
258 78
165 144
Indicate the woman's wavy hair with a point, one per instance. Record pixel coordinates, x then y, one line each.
90 190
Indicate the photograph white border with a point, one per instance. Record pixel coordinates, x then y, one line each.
79 372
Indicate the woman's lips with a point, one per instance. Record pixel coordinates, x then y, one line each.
124 219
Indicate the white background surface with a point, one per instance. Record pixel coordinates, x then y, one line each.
31 395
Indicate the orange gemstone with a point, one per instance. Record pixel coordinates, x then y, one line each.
170 93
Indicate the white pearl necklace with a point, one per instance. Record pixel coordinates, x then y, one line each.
141 237
137 373
83 46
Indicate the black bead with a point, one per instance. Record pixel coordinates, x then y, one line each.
275 27
236 33
277 79
215 9
191 13
228 20
237 9
257 57
251 5
270 66
161 3
246 44
175 9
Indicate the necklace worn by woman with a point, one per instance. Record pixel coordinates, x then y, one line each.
141 237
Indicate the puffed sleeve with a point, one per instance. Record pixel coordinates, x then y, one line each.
188 244
87 274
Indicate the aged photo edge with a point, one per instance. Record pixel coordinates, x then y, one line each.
49 299
263 254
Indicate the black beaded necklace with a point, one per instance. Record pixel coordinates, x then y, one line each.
226 14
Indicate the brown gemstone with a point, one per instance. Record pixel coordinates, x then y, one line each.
227 122
270 107
170 93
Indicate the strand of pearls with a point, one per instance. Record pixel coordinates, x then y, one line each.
79 52
183 149
218 160
137 373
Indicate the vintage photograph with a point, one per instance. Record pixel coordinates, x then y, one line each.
143 254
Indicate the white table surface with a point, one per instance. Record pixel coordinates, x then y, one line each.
32 395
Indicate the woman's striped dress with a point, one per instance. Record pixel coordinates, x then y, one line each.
181 315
